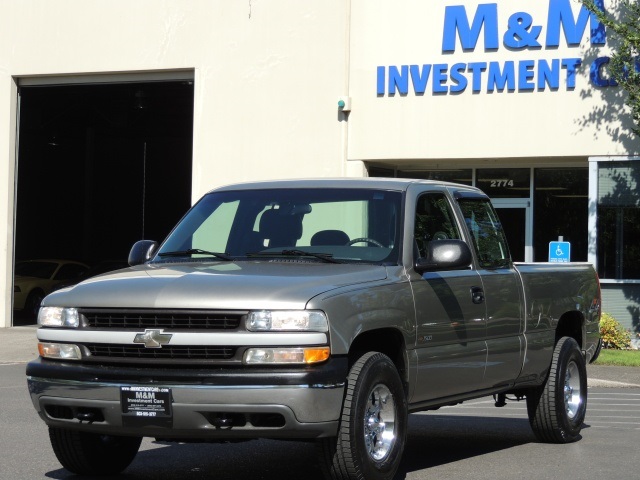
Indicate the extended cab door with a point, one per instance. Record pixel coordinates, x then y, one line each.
450 317
502 289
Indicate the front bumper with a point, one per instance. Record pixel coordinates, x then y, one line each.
207 404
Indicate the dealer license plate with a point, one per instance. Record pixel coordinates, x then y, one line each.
143 406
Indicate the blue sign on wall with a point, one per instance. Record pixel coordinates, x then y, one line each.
465 30
559 252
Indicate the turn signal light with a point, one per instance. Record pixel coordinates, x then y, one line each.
60 351
316 355
280 356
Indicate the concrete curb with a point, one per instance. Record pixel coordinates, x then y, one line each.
596 382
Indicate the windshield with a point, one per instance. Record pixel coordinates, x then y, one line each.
344 224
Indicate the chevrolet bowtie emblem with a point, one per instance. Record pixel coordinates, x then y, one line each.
153 338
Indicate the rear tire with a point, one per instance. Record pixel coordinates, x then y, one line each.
93 454
558 408
373 425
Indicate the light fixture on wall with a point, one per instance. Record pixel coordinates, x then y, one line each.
344 104
140 103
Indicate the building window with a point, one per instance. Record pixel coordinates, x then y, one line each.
535 205
561 200
618 221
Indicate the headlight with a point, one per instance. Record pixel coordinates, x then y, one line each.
61 351
287 320
308 355
58 317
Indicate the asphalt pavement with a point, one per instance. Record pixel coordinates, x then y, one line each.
19 345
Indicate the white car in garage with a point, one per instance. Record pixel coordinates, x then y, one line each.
34 279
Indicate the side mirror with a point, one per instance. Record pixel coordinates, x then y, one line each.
444 255
142 251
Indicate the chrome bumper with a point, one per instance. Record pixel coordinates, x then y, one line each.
199 412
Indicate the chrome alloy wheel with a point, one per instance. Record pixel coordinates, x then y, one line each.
572 397
379 422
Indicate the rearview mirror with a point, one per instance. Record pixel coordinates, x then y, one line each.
444 255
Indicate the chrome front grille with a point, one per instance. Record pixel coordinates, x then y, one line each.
107 320
166 319
177 352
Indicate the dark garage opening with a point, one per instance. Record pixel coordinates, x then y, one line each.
99 167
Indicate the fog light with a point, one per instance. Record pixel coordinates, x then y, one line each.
280 356
61 351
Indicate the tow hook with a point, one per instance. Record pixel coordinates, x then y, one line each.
86 416
222 421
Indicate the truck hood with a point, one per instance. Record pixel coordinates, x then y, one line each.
221 285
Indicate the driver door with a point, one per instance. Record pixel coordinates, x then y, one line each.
451 323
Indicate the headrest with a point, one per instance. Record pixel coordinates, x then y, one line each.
282 226
329 237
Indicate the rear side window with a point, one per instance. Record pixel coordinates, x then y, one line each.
486 232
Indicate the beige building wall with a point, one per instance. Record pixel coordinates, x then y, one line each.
268 76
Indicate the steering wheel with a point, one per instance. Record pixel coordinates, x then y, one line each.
364 239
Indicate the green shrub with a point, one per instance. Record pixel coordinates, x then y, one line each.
612 333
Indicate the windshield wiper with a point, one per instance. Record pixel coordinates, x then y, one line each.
196 251
326 257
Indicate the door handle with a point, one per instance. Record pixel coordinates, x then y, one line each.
477 295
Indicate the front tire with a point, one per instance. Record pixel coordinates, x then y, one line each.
373 425
32 304
558 408
91 453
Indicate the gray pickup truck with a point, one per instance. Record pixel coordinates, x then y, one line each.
316 309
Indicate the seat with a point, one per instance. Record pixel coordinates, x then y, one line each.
280 228
329 237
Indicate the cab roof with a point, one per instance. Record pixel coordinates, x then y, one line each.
399 184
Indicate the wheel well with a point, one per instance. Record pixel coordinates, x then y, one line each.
570 325
388 341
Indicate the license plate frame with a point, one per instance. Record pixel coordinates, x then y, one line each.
146 406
